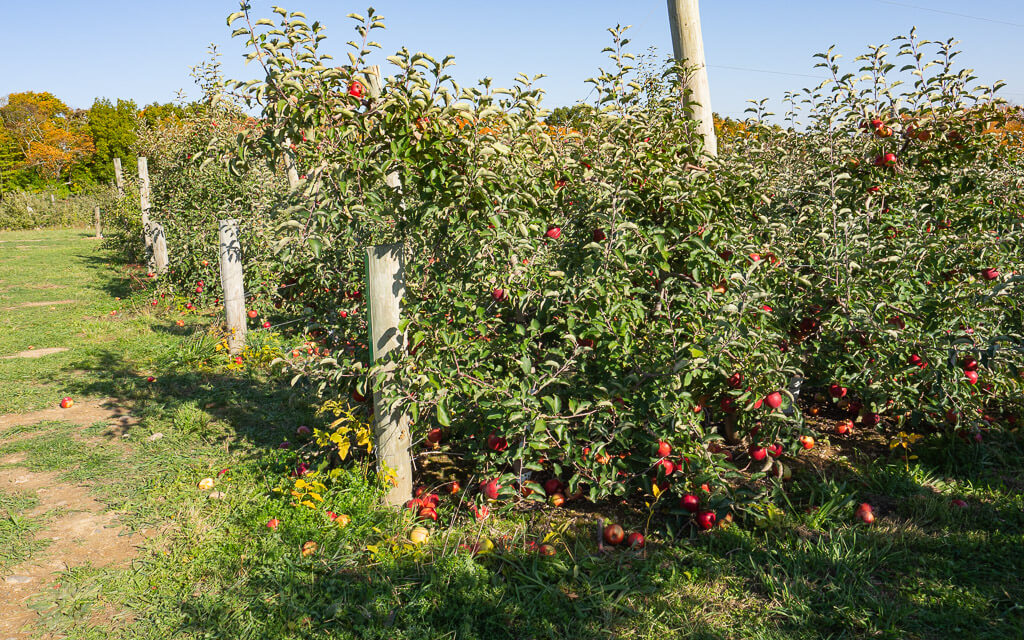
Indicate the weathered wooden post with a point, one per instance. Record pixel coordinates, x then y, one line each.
99 224
232 284
289 161
375 89
118 177
144 204
688 48
159 247
385 288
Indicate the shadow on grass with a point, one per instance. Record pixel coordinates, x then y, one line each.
101 271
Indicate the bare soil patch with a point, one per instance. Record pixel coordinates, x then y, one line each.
83 413
41 303
82 533
35 353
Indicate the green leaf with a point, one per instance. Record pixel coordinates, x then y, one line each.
443 417
526 365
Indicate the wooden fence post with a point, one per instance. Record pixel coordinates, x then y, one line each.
159 247
99 224
118 177
231 282
385 288
289 161
144 203
688 48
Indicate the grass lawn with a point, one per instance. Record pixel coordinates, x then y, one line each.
214 569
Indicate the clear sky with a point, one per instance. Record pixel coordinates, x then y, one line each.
143 49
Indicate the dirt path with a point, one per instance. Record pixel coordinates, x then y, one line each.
79 532
83 413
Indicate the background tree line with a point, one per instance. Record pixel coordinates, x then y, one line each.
45 145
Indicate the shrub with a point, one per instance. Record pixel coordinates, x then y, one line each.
26 210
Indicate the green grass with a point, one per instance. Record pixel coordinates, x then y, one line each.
924 570
17 529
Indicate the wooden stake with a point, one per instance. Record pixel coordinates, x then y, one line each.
688 48
99 225
232 284
118 177
147 232
374 84
159 247
293 172
385 287
375 88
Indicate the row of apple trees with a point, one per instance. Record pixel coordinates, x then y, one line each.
603 306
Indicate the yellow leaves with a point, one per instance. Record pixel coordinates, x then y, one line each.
307 503
344 429
343 448
656 490
905 440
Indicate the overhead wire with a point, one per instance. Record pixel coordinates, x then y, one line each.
949 13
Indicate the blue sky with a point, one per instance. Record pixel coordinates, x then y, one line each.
143 49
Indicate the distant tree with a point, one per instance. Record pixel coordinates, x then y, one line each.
574 117
156 114
50 137
113 128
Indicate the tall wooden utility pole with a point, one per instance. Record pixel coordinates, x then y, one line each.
688 47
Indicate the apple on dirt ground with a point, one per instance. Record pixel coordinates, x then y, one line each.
614 534
66 402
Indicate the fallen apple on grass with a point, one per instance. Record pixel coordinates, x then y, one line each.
865 513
